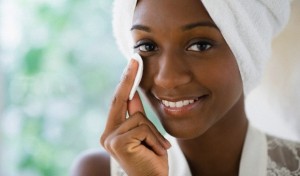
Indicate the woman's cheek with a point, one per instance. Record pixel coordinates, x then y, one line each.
145 83
148 77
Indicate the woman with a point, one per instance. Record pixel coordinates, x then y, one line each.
200 60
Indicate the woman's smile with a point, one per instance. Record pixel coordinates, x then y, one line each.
180 107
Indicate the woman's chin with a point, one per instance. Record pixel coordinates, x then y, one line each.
184 131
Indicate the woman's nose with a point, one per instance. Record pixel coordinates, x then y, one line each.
173 72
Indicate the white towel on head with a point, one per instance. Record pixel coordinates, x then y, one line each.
123 11
248 27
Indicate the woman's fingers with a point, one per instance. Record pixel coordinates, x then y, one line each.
135 105
118 109
143 120
117 124
137 140
135 108
136 120
133 140
137 148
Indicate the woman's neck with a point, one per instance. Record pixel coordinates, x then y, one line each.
218 151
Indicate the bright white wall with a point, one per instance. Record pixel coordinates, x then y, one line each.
275 105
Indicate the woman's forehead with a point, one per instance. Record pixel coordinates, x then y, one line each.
170 12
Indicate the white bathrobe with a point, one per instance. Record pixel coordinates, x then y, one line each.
262 155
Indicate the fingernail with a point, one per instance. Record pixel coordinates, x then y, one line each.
132 63
129 66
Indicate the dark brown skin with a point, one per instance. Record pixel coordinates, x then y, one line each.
185 58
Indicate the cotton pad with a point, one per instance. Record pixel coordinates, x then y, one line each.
138 76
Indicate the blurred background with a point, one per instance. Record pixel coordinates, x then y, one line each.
58 68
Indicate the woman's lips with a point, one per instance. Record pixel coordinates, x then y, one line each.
178 104
181 107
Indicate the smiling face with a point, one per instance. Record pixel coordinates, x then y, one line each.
191 77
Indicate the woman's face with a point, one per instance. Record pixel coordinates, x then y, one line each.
191 77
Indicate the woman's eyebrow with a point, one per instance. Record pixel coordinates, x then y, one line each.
199 24
140 27
184 28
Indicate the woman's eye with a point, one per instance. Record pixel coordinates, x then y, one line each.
146 47
200 46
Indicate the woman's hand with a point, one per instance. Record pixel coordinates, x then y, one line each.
134 141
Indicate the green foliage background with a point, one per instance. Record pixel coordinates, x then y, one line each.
58 85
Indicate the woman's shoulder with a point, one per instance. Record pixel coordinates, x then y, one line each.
283 156
91 163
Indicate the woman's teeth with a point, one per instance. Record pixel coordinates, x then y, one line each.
177 104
